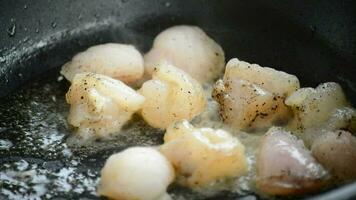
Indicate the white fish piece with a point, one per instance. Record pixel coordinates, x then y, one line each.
119 61
252 97
277 82
188 48
249 107
100 105
342 118
202 156
137 173
313 107
336 151
171 95
285 166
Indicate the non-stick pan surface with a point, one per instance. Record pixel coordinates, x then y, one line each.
315 40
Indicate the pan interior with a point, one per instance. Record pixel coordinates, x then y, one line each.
37 161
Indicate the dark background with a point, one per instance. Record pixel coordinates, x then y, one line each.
315 40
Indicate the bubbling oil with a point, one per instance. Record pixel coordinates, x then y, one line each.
41 159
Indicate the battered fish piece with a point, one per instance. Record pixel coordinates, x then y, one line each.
171 95
252 97
119 61
188 48
137 173
285 166
100 105
202 156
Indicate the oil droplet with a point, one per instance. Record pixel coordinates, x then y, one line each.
167 4
25 6
59 78
25 39
11 31
312 28
36 30
54 24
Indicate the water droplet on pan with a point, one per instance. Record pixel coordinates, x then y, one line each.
5 144
11 31
54 24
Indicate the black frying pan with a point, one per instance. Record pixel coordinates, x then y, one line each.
315 40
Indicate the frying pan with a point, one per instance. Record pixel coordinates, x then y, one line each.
315 40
